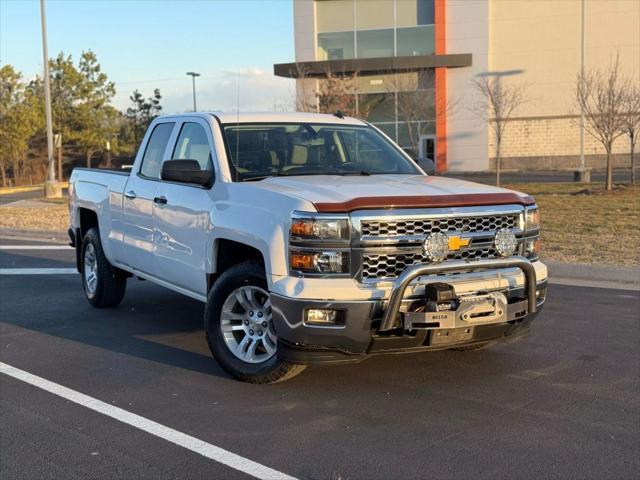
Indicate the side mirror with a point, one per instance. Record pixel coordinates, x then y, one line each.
427 165
186 171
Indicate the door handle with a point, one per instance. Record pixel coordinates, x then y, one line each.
160 201
130 194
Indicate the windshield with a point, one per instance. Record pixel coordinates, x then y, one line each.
259 151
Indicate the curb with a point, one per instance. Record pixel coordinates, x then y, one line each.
35 234
594 273
10 190
29 188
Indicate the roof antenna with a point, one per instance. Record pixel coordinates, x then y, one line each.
237 125
339 114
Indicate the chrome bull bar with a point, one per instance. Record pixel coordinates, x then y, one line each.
407 276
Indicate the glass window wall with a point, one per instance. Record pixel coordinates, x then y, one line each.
410 13
412 41
374 43
372 14
334 16
335 45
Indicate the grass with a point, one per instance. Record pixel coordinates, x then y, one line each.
585 224
52 216
580 223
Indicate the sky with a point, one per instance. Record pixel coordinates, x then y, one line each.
147 44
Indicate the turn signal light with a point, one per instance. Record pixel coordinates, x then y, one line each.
302 228
302 261
533 247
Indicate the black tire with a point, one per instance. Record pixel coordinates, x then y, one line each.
471 348
111 282
271 370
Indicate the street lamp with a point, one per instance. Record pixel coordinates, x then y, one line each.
193 77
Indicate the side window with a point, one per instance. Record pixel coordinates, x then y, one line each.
152 159
193 144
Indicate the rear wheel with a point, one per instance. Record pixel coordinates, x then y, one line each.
104 285
239 327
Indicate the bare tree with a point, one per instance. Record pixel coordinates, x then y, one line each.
501 102
340 93
631 123
415 105
600 94
305 94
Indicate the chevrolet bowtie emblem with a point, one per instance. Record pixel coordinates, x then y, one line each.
456 242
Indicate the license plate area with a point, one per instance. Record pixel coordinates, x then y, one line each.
446 336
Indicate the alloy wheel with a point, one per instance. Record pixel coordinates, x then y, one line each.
246 324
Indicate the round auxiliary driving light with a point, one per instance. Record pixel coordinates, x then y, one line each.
506 242
436 247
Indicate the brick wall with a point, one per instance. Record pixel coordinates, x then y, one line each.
553 143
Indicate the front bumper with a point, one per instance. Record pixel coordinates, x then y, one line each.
390 325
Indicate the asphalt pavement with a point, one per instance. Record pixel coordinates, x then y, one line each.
563 403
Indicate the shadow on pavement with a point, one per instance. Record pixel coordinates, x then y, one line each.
148 324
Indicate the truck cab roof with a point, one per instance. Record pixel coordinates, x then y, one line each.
273 117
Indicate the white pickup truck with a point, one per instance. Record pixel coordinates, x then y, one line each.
311 239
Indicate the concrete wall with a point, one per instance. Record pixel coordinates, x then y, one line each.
304 30
466 24
543 40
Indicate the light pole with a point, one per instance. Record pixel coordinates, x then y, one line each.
193 78
582 175
51 187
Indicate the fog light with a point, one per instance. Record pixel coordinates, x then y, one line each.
322 316
436 247
505 242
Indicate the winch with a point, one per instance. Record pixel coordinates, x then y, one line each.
444 309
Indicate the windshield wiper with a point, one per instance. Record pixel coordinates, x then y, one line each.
282 174
362 173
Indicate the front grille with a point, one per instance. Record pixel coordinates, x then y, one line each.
395 228
390 265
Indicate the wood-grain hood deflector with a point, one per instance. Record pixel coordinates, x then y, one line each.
423 201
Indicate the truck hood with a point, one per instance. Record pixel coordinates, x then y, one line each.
335 193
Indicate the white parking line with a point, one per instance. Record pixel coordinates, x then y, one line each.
35 247
38 271
205 449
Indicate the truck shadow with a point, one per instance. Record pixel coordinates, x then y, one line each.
151 323
155 324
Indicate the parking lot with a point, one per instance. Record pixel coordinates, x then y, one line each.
563 403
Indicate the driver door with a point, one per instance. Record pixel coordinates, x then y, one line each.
182 218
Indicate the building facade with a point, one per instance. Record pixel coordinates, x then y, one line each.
413 63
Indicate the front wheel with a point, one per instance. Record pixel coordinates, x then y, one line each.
239 327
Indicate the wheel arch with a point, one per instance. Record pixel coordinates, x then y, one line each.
227 253
87 219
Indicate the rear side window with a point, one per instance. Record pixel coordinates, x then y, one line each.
152 159
193 144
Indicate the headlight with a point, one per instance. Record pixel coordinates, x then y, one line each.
532 219
318 228
319 262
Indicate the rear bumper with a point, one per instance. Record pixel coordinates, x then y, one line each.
378 326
